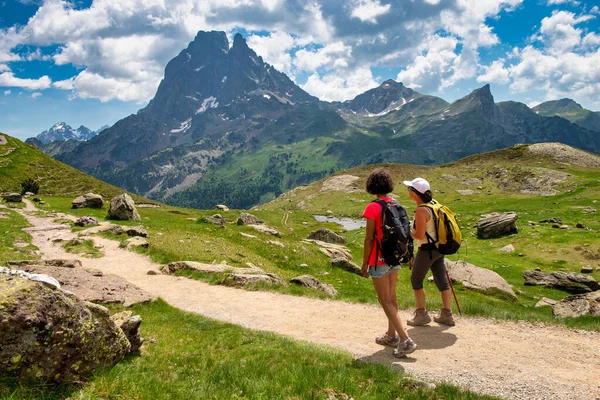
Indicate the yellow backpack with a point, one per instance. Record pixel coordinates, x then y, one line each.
448 233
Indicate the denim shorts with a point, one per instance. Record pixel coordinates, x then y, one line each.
382 270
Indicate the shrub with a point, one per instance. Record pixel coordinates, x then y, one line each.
29 185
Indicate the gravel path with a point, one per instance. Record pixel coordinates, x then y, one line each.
515 360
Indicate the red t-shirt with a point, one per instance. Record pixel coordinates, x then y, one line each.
373 211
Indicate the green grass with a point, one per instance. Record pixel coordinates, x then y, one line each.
193 357
11 233
84 248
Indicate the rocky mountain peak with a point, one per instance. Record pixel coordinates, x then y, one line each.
558 107
387 97
480 100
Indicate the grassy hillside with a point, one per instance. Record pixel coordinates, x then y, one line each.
19 161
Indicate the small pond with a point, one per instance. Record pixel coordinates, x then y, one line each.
348 224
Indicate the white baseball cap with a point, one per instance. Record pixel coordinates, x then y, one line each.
419 184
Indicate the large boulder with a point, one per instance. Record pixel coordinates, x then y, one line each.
175 266
249 219
247 279
568 281
90 200
476 278
48 334
578 305
123 208
346 265
496 224
86 220
311 282
325 235
12 197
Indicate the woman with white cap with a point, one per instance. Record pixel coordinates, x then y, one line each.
427 257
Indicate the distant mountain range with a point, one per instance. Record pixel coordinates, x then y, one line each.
62 138
226 127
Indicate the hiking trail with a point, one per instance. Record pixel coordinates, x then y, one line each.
514 360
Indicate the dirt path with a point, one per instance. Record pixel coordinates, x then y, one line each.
507 359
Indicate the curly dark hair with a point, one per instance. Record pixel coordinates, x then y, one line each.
379 181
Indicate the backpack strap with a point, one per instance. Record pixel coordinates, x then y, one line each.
383 205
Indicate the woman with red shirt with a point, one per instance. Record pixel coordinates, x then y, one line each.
380 184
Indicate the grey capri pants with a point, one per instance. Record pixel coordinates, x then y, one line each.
423 263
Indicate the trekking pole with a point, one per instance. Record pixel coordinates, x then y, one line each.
452 288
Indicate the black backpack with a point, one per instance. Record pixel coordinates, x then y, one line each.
396 246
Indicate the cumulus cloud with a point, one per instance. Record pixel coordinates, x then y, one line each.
558 31
558 2
274 49
333 55
8 79
369 10
494 73
7 92
334 87
35 95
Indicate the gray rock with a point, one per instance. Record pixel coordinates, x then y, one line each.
136 241
90 200
587 269
249 219
465 192
509 248
266 229
247 279
56 262
276 243
567 281
208 268
580 225
552 220
222 207
12 197
545 302
86 220
135 231
129 324
480 279
48 334
496 224
578 305
325 235
36 199
564 227
216 219
123 208
346 265
311 282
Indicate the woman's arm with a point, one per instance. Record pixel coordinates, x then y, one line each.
368 246
421 217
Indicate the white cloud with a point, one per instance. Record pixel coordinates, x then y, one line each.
88 85
558 32
333 55
434 68
595 10
369 10
8 79
495 73
35 95
7 92
334 87
274 49
533 103
591 40
557 2
9 38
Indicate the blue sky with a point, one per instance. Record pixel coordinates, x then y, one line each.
94 62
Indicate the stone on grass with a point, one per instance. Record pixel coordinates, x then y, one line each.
587 269
497 224
56 262
346 265
275 243
129 324
578 305
86 220
12 197
208 268
325 235
47 334
222 207
552 220
135 231
480 279
509 248
331 250
247 279
90 200
311 282
249 219
265 229
136 241
545 302
123 208
216 219
567 281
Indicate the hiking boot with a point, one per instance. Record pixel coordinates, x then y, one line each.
420 317
404 348
387 340
445 318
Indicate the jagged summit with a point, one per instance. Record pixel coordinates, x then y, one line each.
387 97
63 131
479 100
